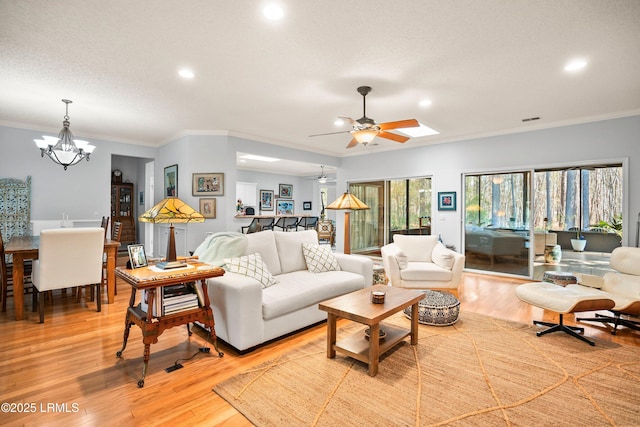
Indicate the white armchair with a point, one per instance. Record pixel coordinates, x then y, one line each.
422 262
68 257
622 286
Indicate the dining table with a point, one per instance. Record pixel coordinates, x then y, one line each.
26 248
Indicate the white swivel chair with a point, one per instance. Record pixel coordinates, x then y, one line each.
68 257
622 286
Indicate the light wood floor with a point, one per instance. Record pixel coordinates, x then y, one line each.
65 371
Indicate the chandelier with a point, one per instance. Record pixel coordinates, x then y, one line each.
64 150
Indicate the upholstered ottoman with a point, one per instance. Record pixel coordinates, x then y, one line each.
563 300
437 309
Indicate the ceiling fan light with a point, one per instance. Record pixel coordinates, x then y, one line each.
365 136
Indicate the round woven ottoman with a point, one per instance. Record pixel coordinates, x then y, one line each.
436 309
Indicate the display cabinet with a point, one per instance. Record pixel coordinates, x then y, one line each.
122 199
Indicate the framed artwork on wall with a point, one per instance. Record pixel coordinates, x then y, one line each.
266 200
207 184
208 208
447 201
306 206
284 207
171 181
285 191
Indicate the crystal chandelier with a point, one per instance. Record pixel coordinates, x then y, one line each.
64 150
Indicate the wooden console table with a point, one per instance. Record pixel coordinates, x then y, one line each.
149 278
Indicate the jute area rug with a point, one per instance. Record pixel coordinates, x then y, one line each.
480 371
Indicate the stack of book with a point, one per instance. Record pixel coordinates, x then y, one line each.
173 299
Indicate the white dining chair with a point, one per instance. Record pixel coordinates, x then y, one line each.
68 257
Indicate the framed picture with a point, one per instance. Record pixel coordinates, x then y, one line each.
284 207
141 198
306 206
266 200
286 191
207 184
447 201
171 181
137 257
208 208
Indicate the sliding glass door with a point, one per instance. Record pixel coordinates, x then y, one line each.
497 222
399 206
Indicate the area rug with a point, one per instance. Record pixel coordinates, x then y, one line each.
480 371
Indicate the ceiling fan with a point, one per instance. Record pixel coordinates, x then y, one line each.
366 129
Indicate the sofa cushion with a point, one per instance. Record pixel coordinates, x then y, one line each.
403 260
251 266
319 258
425 271
301 289
417 248
442 256
289 246
264 243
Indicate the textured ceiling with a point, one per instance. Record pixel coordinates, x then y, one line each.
485 65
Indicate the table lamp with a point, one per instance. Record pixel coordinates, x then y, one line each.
347 202
171 210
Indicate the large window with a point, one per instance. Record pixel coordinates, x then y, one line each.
398 206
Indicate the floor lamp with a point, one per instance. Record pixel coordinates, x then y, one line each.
347 202
171 210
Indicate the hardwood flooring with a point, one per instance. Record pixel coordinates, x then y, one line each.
65 372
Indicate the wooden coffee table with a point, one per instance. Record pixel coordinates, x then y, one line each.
357 306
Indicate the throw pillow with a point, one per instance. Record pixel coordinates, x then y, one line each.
442 256
251 266
403 260
319 258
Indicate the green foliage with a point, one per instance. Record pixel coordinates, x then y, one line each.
615 225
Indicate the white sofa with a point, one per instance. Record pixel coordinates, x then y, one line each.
247 314
422 262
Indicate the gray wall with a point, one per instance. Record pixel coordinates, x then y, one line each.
617 140
82 192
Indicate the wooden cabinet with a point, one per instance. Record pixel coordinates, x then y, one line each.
122 199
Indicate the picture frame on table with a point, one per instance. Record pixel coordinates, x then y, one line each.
207 184
447 201
137 257
208 208
306 206
284 207
171 181
266 200
285 191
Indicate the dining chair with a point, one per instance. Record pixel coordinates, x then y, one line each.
266 223
307 222
116 231
105 224
286 223
6 276
68 257
251 228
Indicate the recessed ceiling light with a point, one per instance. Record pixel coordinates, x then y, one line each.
273 12
425 103
576 65
421 130
338 122
186 74
259 158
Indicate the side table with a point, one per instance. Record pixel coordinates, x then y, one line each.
150 278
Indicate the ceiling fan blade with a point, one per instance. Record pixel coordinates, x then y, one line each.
353 143
330 133
350 120
409 123
393 136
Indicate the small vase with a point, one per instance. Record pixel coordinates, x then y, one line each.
578 245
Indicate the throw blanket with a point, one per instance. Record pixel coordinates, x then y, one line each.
218 246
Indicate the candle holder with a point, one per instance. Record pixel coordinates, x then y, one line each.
377 297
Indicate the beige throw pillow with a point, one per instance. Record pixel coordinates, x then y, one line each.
251 266
442 257
319 258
